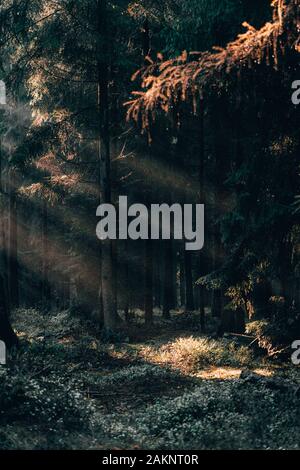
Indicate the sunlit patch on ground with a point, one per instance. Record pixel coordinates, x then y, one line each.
219 373
195 354
227 373
264 372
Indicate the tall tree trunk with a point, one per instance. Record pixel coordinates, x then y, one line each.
148 243
167 277
217 303
173 278
168 289
46 290
114 247
107 289
158 276
127 284
148 281
188 281
7 333
182 280
13 271
201 183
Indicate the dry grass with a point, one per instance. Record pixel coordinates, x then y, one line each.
191 354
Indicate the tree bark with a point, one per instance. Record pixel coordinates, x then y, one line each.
167 278
13 268
46 290
148 300
182 280
188 281
201 183
216 303
127 284
106 289
148 282
7 333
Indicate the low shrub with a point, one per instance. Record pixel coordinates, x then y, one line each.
223 415
53 402
275 335
137 376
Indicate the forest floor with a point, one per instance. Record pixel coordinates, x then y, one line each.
165 387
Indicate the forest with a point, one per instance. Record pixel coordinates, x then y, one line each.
139 342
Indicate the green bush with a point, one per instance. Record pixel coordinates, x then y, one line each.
275 335
137 376
53 402
223 415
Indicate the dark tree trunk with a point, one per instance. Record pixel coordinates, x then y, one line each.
46 289
148 281
115 276
167 278
7 333
106 289
126 284
216 303
201 183
148 299
188 281
174 278
13 268
240 323
182 281
158 276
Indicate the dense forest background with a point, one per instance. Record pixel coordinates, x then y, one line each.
176 101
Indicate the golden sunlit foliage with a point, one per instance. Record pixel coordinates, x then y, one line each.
187 76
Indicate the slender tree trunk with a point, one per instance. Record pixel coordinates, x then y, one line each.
167 278
46 290
216 303
148 243
114 247
13 268
188 281
201 183
127 284
240 323
7 333
148 281
182 280
173 278
158 276
106 290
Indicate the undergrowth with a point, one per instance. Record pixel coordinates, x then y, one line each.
65 389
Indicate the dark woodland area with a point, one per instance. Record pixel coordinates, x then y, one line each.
143 344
